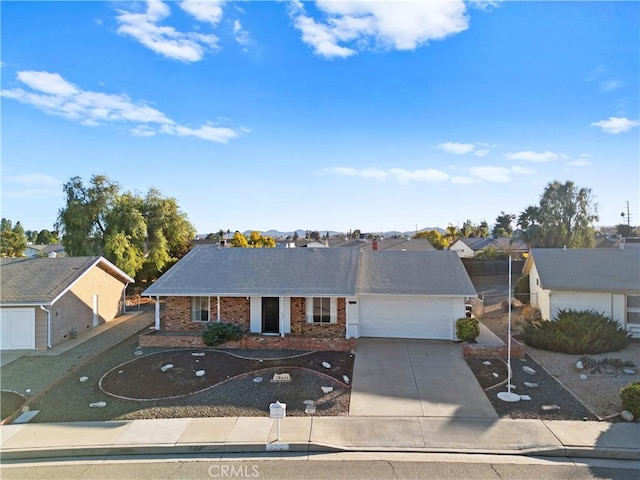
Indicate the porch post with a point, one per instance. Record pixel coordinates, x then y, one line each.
157 313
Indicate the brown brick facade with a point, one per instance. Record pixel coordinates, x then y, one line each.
324 330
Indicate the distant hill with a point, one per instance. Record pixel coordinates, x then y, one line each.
278 234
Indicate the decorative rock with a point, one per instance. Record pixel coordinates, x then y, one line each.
28 390
525 397
120 371
528 370
627 415
486 362
550 408
26 409
346 379
530 384
197 354
310 409
84 379
137 353
98 404
308 402
579 365
513 387
200 373
327 389
166 367
257 379
326 364
281 377
628 371
583 376
495 374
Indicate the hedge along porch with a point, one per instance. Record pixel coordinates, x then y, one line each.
313 293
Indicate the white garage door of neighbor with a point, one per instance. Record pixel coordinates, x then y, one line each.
406 317
17 329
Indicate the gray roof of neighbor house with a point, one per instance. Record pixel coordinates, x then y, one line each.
595 270
413 273
208 270
43 280
500 243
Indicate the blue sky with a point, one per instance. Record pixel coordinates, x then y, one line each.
322 115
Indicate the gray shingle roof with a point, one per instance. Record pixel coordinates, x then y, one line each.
42 280
207 270
596 270
413 273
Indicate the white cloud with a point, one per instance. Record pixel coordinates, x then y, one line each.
616 125
463 148
610 85
498 174
400 175
32 186
241 35
464 180
63 99
523 170
347 27
165 40
578 163
209 11
530 156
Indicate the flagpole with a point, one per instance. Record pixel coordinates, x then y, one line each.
508 396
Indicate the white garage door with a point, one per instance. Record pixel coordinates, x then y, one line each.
17 329
407 317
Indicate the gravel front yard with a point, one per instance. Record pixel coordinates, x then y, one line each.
600 391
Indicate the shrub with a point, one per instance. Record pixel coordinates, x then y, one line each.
630 395
216 333
577 331
467 329
521 290
531 314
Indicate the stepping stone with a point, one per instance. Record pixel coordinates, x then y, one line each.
257 379
281 377
525 397
579 365
326 364
528 370
495 374
550 408
625 414
98 404
530 384
486 362
310 409
327 389
197 354
346 379
628 371
308 402
84 379
166 367
25 417
200 373
583 376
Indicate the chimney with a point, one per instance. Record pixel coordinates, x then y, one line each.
374 246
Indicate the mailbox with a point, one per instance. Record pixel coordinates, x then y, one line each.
278 410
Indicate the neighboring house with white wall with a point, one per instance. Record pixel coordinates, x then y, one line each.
605 280
470 247
47 301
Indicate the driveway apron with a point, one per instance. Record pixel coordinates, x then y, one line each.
405 377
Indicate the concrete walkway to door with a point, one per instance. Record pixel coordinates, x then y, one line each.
415 378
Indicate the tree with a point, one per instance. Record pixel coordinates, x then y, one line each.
46 237
483 229
452 233
315 235
564 217
468 229
141 235
13 240
503 227
239 240
32 236
435 238
625 230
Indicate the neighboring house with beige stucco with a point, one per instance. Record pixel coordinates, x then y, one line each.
47 301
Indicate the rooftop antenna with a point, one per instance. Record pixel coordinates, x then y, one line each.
509 396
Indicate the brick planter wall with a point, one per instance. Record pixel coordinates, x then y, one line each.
259 342
474 350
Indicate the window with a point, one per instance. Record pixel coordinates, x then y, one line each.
633 309
321 310
200 309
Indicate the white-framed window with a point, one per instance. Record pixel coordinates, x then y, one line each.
633 309
321 310
200 309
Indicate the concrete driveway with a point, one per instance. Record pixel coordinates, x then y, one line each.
415 378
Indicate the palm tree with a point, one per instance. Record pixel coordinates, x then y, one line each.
452 233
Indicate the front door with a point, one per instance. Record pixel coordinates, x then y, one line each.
270 314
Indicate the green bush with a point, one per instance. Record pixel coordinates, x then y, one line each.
521 290
630 396
467 329
215 333
577 332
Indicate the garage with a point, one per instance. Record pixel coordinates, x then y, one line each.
17 329
409 316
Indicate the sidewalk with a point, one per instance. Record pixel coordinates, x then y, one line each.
322 434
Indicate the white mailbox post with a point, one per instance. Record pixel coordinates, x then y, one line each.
278 411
